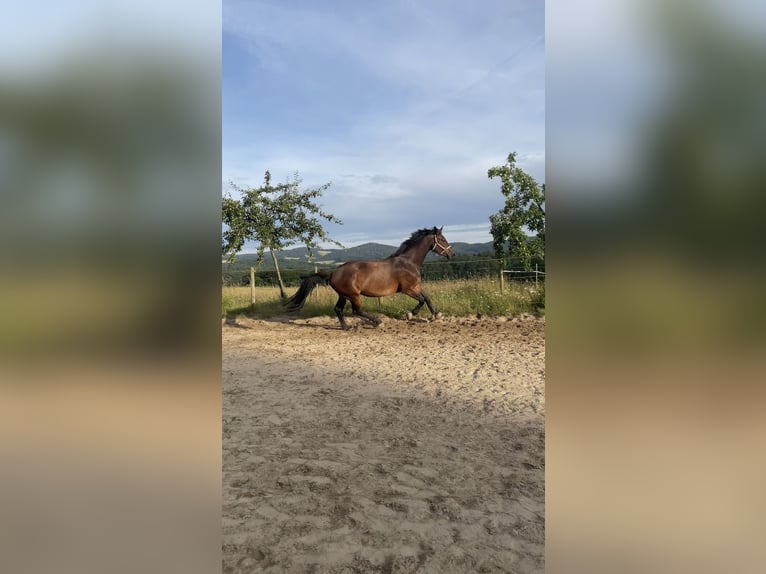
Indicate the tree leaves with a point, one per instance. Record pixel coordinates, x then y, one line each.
524 212
275 216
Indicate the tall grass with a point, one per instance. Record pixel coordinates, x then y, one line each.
458 298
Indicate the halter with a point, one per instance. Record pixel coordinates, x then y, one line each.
439 245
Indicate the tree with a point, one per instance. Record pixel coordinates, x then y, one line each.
524 212
275 217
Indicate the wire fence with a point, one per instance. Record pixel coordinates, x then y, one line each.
505 270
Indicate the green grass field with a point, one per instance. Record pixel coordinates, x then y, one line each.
459 298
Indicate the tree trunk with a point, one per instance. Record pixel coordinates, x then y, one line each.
279 275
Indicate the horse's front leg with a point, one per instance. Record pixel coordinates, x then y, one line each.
435 315
423 299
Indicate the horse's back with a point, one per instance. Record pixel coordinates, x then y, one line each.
369 278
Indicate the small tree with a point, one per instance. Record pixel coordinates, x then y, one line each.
275 217
524 212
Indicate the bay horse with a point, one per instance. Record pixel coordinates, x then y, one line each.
397 273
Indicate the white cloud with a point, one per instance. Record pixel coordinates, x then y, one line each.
446 92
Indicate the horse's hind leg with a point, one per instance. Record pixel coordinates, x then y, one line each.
339 312
356 305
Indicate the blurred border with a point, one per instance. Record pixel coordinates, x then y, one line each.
110 182
655 132
110 175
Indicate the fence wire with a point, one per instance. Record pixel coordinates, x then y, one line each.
432 270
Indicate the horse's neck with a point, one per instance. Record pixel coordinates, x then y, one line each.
417 253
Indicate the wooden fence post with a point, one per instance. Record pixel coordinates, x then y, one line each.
502 279
252 285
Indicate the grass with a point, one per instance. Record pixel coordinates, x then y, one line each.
459 298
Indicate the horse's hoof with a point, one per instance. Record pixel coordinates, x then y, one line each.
437 316
409 316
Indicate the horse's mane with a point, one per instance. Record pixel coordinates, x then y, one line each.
414 238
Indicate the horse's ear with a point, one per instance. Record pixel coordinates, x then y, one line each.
440 229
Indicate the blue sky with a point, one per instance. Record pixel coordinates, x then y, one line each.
403 105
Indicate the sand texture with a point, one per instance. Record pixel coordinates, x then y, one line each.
411 447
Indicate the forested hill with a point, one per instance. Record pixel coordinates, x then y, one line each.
297 258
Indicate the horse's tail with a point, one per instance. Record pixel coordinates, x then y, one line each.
296 302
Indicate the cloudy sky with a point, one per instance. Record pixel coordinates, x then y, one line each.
403 105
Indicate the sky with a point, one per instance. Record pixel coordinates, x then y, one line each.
402 105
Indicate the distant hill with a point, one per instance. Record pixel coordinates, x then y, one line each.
374 251
297 257
472 248
363 251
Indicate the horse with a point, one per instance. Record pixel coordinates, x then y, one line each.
397 273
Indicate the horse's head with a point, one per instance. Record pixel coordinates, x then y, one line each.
441 245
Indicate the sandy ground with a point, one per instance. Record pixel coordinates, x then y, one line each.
411 447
